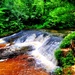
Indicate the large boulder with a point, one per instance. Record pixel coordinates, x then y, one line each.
21 65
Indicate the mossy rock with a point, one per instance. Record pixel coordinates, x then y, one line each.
58 54
66 41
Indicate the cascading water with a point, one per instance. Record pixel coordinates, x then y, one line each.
43 43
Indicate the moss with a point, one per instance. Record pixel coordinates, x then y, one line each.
66 41
64 61
69 72
58 71
68 60
58 53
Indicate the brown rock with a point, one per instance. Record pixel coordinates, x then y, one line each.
69 70
65 51
21 65
4 45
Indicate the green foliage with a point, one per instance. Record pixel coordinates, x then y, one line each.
69 72
58 54
58 71
66 41
38 14
2 19
68 60
62 15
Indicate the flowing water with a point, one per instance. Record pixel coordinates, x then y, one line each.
43 46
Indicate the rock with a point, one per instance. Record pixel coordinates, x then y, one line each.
65 51
20 65
69 70
4 45
12 51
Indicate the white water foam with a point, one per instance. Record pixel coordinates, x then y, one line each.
44 46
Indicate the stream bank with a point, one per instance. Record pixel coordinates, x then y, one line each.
42 41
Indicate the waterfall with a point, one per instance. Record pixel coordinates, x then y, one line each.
44 44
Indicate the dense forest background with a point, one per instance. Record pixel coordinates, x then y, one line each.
16 15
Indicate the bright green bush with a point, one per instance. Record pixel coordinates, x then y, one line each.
66 41
36 14
68 60
49 13
8 22
62 15
58 71
58 54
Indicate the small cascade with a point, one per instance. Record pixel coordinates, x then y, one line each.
43 43
45 53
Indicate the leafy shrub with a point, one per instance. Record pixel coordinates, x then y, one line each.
68 60
58 71
58 54
60 14
35 14
66 41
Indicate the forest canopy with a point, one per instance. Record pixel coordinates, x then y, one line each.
16 15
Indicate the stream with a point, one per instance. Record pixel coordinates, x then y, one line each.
40 44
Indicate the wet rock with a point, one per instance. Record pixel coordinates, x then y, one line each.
4 45
20 66
12 51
